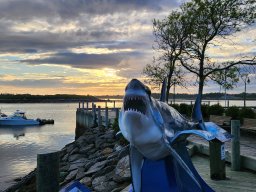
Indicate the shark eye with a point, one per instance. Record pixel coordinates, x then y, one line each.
147 90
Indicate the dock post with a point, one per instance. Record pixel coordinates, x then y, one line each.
79 104
94 111
83 105
99 116
47 175
106 117
114 104
117 112
87 105
235 146
217 160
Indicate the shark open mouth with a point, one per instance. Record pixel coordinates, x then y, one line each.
135 103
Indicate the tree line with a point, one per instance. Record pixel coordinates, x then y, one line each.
28 98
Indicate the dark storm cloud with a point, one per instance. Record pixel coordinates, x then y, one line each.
32 83
28 9
39 41
82 60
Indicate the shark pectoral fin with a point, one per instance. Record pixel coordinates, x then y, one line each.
136 163
204 134
219 133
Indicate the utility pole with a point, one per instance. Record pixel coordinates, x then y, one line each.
245 80
174 84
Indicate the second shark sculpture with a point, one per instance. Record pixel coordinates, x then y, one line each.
157 134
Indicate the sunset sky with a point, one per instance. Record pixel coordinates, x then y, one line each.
89 46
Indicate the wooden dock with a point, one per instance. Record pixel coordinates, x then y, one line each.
237 181
244 181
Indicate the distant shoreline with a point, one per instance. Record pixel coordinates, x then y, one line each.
63 98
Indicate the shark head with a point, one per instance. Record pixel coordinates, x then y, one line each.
139 120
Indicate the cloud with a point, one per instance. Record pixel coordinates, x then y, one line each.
82 60
27 9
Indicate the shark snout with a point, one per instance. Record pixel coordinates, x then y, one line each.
135 85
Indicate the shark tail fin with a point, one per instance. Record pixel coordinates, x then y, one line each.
197 113
163 91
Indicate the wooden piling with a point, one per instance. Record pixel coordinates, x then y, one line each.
94 111
117 112
217 160
106 117
99 116
47 177
235 146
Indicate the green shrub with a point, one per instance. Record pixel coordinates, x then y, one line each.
247 113
175 106
233 112
216 109
185 109
205 111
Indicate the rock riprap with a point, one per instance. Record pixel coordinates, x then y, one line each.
96 159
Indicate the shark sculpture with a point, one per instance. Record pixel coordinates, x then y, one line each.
157 134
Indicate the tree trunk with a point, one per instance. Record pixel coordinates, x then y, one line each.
168 87
200 88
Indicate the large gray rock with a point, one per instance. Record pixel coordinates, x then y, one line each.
86 148
122 170
87 181
75 157
82 140
74 166
74 151
71 175
104 183
96 167
80 173
106 186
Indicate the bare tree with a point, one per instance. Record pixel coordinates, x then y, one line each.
208 20
170 35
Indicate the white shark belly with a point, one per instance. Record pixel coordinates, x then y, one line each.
153 151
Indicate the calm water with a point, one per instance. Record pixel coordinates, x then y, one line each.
20 145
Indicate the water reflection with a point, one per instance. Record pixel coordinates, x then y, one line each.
19 145
17 136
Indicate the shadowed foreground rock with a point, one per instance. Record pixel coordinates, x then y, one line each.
95 159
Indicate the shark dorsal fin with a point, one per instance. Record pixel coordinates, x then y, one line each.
197 113
163 91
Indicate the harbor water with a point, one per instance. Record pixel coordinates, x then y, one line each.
19 146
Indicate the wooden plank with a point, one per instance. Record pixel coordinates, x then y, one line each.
220 120
249 124
237 180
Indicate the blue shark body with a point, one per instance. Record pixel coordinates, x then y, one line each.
157 131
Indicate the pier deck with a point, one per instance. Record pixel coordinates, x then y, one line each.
238 181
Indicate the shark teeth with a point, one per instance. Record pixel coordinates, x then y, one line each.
135 103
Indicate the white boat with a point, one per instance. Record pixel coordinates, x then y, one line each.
18 118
